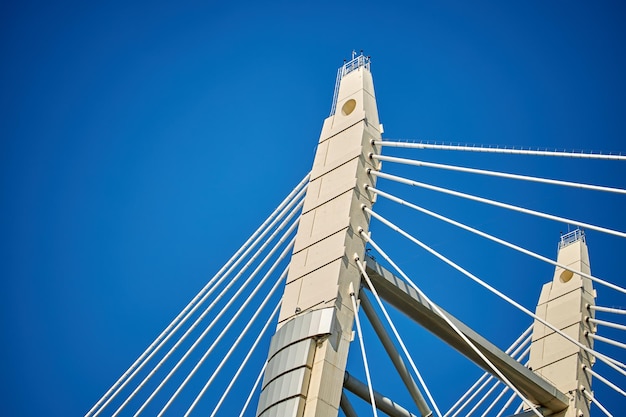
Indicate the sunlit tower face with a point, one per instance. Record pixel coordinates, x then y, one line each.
322 272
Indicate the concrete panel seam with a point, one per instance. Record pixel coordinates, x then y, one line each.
342 130
562 295
324 172
343 229
555 361
330 199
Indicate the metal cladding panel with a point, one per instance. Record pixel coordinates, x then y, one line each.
290 408
289 385
310 324
290 360
294 356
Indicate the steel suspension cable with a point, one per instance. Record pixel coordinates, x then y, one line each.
603 379
479 403
494 239
485 379
235 344
605 340
593 399
253 390
514 345
438 311
283 209
396 334
181 318
505 389
394 144
491 377
225 308
606 309
246 359
216 300
524 354
606 323
417 163
488 376
496 203
615 364
362 345
467 393
223 332
506 405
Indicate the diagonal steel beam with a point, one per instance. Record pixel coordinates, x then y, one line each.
404 298
346 406
383 403
394 355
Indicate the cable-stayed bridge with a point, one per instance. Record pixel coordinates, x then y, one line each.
324 310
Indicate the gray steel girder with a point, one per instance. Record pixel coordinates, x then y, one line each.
408 301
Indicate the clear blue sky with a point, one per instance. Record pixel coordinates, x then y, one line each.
142 142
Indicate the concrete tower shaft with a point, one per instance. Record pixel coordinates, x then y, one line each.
308 353
563 302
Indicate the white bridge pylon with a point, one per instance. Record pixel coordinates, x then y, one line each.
306 369
308 355
324 224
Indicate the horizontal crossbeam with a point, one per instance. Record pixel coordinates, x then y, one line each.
405 299
383 403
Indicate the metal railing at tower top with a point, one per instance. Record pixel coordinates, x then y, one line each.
571 237
355 63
